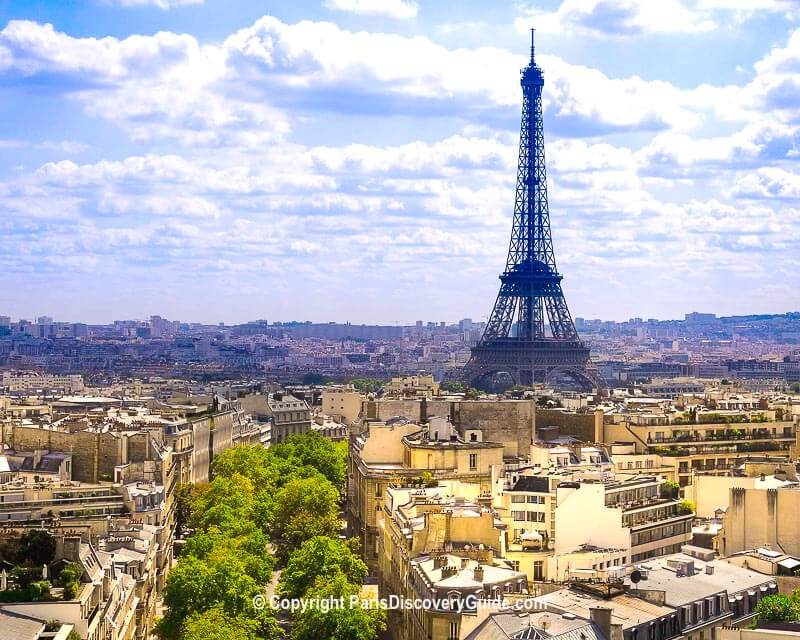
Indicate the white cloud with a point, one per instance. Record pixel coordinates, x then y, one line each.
398 9
628 18
617 18
253 201
769 183
239 93
161 4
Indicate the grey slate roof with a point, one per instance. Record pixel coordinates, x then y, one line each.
16 626
686 589
536 625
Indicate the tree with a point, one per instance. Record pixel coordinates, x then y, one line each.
253 462
226 503
70 580
195 585
251 548
345 623
318 452
367 385
314 379
453 386
778 608
37 547
215 624
185 496
320 556
302 509
472 394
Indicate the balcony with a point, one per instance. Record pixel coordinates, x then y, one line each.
726 438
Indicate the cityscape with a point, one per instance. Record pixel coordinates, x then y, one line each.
221 472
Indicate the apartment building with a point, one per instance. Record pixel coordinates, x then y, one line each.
399 450
714 442
104 606
342 403
627 513
762 517
705 593
286 414
443 544
18 381
506 625
418 386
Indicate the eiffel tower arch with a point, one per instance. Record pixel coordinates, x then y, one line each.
530 335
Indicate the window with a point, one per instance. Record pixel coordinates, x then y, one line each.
518 516
378 490
538 570
517 499
453 635
473 461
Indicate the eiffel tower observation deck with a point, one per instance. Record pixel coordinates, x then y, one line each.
517 342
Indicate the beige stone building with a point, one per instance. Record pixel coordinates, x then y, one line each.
398 450
342 403
440 545
626 513
510 422
708 447
762 518
419 386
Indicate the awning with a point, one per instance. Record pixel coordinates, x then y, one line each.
532 535
790 563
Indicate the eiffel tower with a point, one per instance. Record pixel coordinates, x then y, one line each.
516 340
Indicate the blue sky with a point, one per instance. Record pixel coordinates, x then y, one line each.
355 159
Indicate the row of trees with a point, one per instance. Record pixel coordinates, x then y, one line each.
266 508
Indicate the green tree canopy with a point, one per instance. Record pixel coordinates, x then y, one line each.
367 385
37 547
778 608
453 386
302 509
316 451
221 579
215 624
320 556
226 503
348 623
251 548
255 463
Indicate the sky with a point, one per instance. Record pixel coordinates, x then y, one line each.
355 160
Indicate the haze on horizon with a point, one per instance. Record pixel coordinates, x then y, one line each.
355 159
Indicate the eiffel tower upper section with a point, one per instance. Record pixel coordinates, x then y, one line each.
530 334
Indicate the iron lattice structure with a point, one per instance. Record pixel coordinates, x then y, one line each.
516 340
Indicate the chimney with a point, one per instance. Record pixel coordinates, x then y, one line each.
72 547
478 573
710 569
601 616
438 561
448 571
464 562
